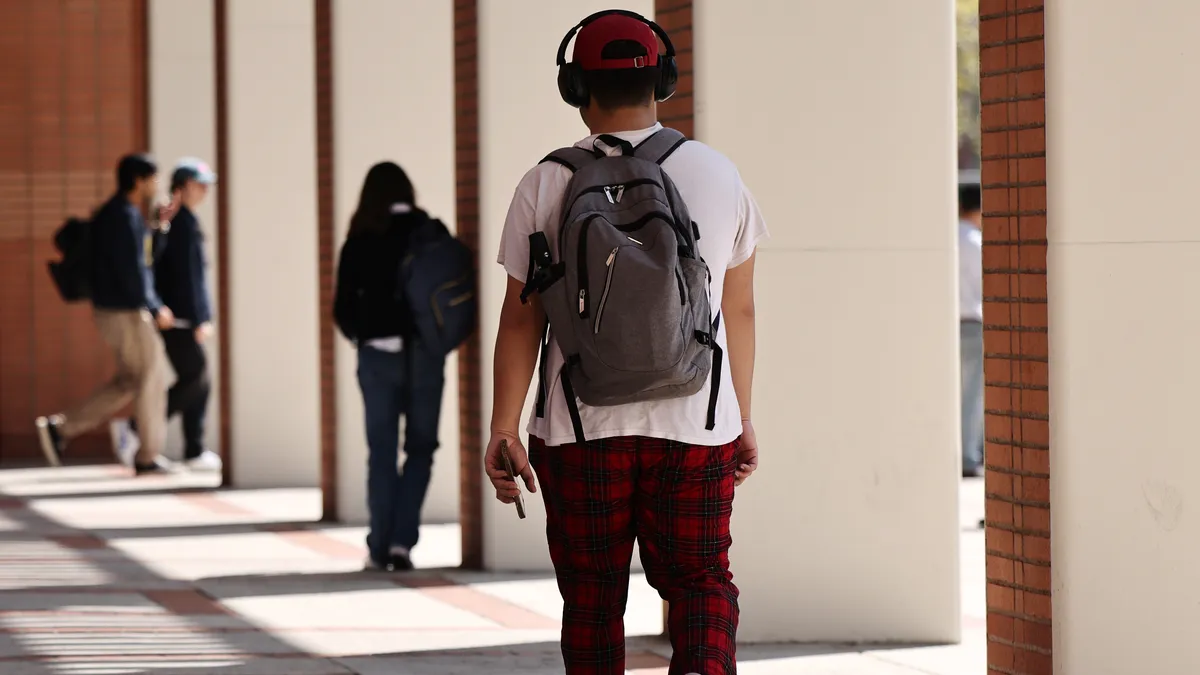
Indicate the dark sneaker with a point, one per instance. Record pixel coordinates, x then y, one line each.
159 467
398 560
50 437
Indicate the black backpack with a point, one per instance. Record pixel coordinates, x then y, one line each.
72 274
437 278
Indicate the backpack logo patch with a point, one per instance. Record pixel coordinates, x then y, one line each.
614 193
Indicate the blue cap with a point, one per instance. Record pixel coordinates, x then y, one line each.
191 168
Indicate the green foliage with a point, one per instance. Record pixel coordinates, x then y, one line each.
968 81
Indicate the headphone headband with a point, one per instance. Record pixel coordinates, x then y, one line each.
662 34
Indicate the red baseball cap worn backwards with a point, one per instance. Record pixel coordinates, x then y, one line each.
594 37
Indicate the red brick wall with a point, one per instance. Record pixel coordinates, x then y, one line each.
675 17
466 173
326 254
1013 92
72 101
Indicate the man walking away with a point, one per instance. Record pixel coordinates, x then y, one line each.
126 309
637 249
179 274
970 327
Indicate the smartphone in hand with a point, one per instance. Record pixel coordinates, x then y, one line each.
508 467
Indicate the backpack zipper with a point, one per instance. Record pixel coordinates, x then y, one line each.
603 188
582 269
611 264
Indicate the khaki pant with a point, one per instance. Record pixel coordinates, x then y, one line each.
140 379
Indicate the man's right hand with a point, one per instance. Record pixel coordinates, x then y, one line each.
164 318
493 464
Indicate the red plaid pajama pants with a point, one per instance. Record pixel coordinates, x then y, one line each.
675 499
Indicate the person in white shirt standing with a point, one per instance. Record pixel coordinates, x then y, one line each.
617 462
970 308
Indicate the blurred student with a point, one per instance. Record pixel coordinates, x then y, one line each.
128 314
398 372
970 327
179 273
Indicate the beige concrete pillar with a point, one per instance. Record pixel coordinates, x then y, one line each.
271 188
182 100
393 100
1123 265
521 120
841 119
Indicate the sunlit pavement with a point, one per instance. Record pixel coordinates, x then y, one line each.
102 574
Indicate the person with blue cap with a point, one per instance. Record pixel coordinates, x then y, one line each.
179 273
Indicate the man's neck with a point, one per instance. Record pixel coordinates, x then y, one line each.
975 218
131 197
621 119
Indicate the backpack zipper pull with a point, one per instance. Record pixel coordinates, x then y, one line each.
582 301
611 257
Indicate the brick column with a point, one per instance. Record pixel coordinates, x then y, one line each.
1013 92
466 175
675 17
221 95
326 254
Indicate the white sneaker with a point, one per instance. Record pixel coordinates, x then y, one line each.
207 461
125 443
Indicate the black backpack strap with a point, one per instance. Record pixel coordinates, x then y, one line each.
714 389
573 158
661 145
572 402
542 271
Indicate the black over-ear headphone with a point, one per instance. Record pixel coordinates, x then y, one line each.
571 85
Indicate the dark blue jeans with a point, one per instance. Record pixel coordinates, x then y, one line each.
407 383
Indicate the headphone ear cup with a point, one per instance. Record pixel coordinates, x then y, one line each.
571 86
668 77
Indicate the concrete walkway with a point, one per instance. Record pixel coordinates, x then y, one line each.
101 574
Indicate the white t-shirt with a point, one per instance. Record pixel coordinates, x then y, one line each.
970 272
730 227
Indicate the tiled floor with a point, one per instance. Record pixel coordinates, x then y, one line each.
101 575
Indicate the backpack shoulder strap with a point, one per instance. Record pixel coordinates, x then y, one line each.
573 158
661 145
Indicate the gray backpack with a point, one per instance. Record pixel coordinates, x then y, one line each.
626 297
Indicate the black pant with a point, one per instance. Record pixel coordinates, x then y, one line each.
189 394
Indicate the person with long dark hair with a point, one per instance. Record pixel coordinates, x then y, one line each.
397 376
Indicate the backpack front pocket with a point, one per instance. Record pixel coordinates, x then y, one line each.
638 322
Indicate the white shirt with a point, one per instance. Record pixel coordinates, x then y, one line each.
970 272
730 228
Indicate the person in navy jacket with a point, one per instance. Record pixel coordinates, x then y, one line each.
179 273
126 308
